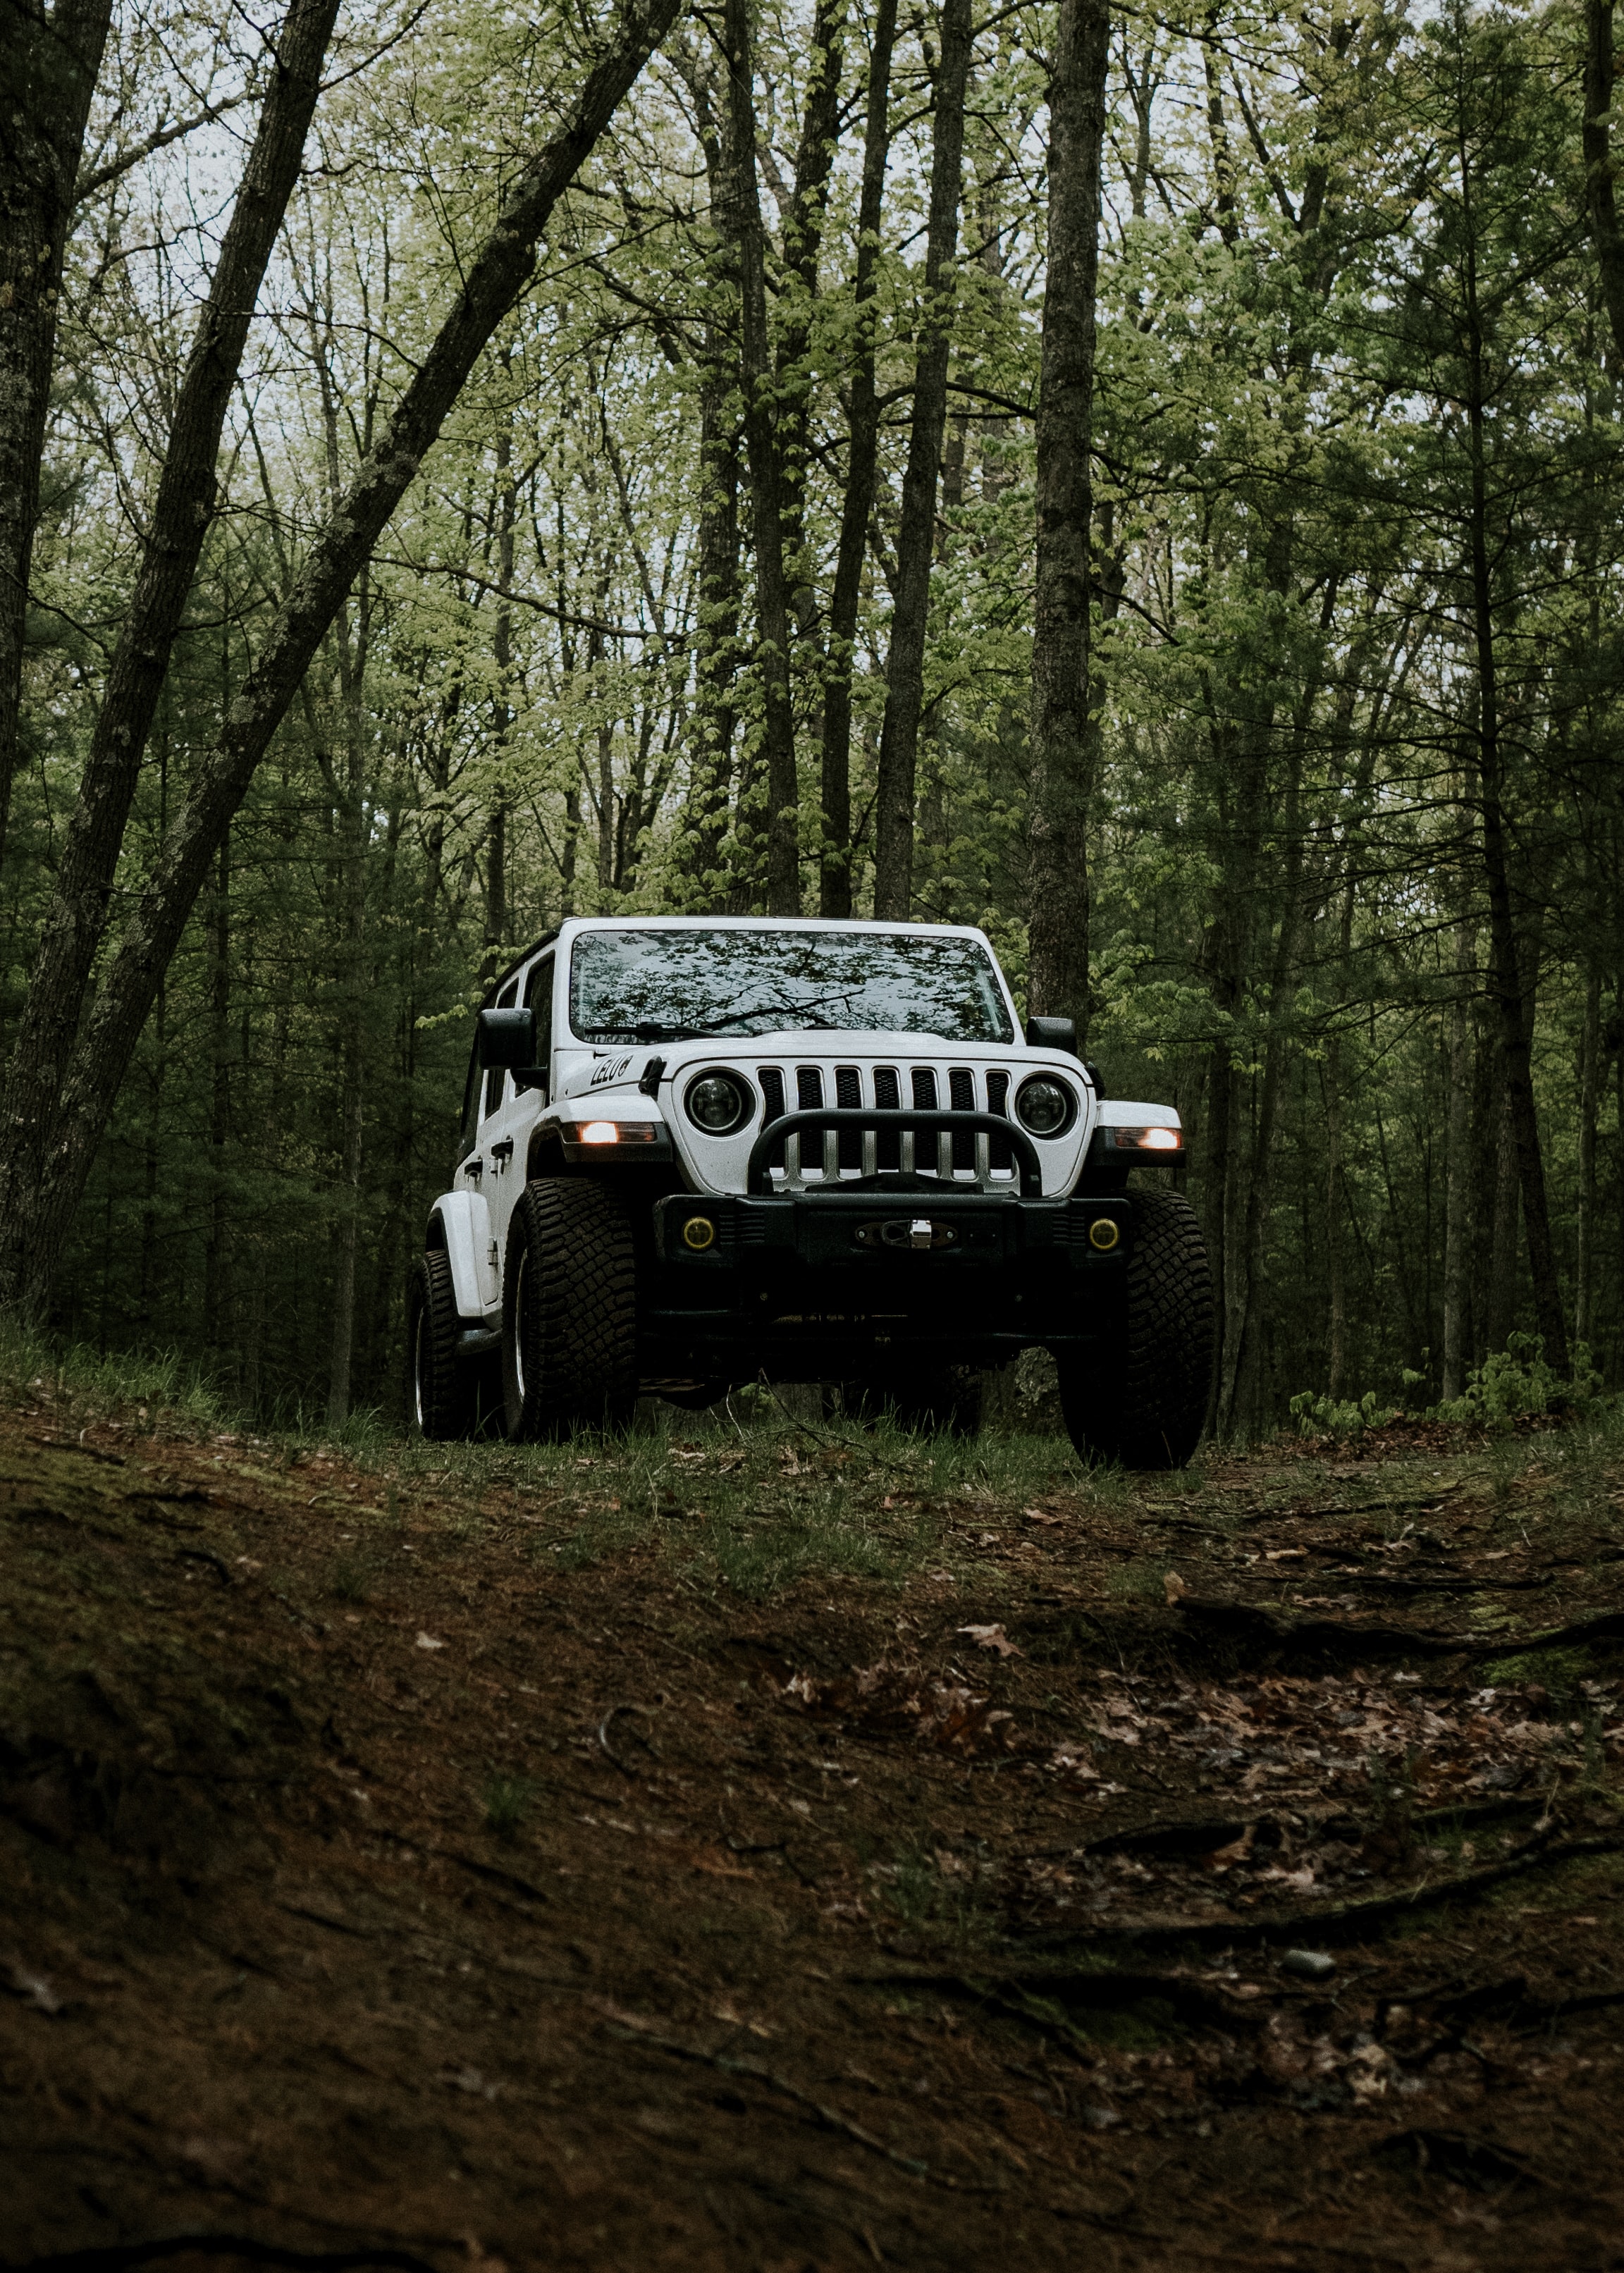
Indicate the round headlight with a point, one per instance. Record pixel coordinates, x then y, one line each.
717 1103
1044 1106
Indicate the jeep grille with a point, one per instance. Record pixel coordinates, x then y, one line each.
885 1086
824 1149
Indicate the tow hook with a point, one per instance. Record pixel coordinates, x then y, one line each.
917 1232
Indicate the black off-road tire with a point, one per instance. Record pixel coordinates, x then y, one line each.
1148 1410
441 1393
569 1310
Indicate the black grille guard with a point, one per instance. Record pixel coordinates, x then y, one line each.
941 1122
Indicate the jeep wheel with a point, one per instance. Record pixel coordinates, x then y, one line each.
569 1325
1148 1412
440 1391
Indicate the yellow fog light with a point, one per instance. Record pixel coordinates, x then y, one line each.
1103 1234
698 1233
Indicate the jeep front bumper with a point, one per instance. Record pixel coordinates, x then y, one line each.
819 1278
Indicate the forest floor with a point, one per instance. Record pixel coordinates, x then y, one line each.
781 1848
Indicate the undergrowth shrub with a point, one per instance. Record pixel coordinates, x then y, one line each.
1339 1417
1513 1383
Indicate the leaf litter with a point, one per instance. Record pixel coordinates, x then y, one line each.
1236 1916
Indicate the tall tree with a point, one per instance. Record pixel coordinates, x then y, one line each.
857 500
1601 200
762 450
905 672
1061 720
48 64
47 1147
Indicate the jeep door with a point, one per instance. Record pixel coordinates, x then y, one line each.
505 1135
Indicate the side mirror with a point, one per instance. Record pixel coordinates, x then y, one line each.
506 1038
1052 1034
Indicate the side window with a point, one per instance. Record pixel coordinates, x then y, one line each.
494 1075
538 997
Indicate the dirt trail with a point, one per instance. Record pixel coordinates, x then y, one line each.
1216 1872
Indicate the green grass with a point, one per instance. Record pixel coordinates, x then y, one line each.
506 1801
1140 1580
351 1578
161 1391
950 1906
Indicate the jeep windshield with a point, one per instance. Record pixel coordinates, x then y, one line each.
666 985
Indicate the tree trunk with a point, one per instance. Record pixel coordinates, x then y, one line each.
1590 1099
63 1130
1240 1396
905 675
1599 199
861 463
216 1265
803 239
497 923
352 977
1502 1296
1057 874
1457 1201
766 483
1335 1254
716 631
1512 993
48 70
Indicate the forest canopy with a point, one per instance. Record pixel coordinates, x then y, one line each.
1146 485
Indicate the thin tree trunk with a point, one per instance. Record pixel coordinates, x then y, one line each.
1241 1369
215 1258
1457 1202
1599 199
347 1232
1335 1258
496 908
905 674
1502 1302
1590 1099
64 1124
861 463
352 828
1057 889
803 239
716 631
766 483
146 1299
48 72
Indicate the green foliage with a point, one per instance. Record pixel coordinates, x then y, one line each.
1342 1417
507 1801
1517 1383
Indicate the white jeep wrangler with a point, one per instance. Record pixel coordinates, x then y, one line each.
699 1151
